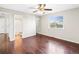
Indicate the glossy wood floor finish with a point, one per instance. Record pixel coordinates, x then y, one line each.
41 44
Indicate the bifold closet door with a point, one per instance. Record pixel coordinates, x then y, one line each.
4 38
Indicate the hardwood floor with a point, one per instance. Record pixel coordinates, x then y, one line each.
58 46
41 44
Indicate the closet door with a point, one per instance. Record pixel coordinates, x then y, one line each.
4 39
18 24
18 33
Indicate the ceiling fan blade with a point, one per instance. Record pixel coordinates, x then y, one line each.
48 9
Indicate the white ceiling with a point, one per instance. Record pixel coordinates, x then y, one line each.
29 8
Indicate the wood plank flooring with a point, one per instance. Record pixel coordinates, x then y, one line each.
41 44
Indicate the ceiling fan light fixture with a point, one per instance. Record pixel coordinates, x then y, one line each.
41 7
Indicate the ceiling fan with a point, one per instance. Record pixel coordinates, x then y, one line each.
41 8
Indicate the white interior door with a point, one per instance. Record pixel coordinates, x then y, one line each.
18 24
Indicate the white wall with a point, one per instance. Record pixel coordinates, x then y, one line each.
29 25
71 26
10 26
37 24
